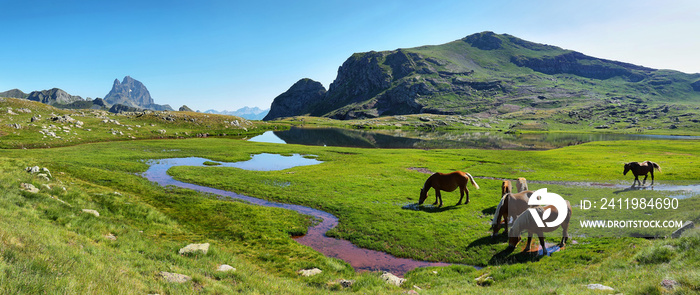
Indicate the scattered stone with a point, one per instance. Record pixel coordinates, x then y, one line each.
599 287
24 110
192 248
34 119
174 277
57 199
34 169
46 187
389 278
15 125
110 237
686 226
93 212
346 283
225 268
43 176
411 292
669 284
10 112
162 131
29 187
484 280
309 272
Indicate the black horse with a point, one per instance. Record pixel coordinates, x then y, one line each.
641 169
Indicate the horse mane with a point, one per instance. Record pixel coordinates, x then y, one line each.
498 211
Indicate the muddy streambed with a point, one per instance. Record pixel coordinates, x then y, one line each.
359 258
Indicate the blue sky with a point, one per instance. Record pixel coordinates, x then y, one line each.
230 54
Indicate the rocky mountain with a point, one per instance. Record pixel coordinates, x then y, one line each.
53 96
249 113
303 97
14 93
483 72
132 93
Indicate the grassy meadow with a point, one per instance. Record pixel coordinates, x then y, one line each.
49 246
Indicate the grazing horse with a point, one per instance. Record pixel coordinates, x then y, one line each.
526 222
447 182
506 187
521 185
641 169
511 205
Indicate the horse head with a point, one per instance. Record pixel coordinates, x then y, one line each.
423 196
627 168
513 241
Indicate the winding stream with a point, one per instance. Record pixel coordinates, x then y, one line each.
359 258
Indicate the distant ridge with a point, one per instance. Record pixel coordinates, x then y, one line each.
249 113
482 73
14 93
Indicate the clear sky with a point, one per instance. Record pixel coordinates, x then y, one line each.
229 54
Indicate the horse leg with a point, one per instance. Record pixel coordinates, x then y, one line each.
461 195
544 247
438 195
652 176
529 239
636 180
565 234
645 179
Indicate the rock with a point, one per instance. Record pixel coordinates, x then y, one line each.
110 237
346 283
174 277
192 248
686 226
411 292
389 278
43 176
599 287
29 187
185 108
34 169
45 187
57 199
669 284
484 280
15 125
225 268
309 272
93 212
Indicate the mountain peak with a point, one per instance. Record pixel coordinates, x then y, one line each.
129 92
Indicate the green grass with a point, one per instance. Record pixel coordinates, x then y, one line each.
51 247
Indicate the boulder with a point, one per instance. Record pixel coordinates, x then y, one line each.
174 277
225 268
29 187
686 226
599 287
93 212
193 248
309 272
389 278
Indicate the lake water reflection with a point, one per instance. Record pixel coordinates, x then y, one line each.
443 139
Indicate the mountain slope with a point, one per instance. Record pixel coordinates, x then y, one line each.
53 96
484 72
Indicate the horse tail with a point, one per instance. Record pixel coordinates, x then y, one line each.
472 180
656 166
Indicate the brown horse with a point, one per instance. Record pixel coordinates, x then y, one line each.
511 205
521 185
526 222
641 169
506 187
447 182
